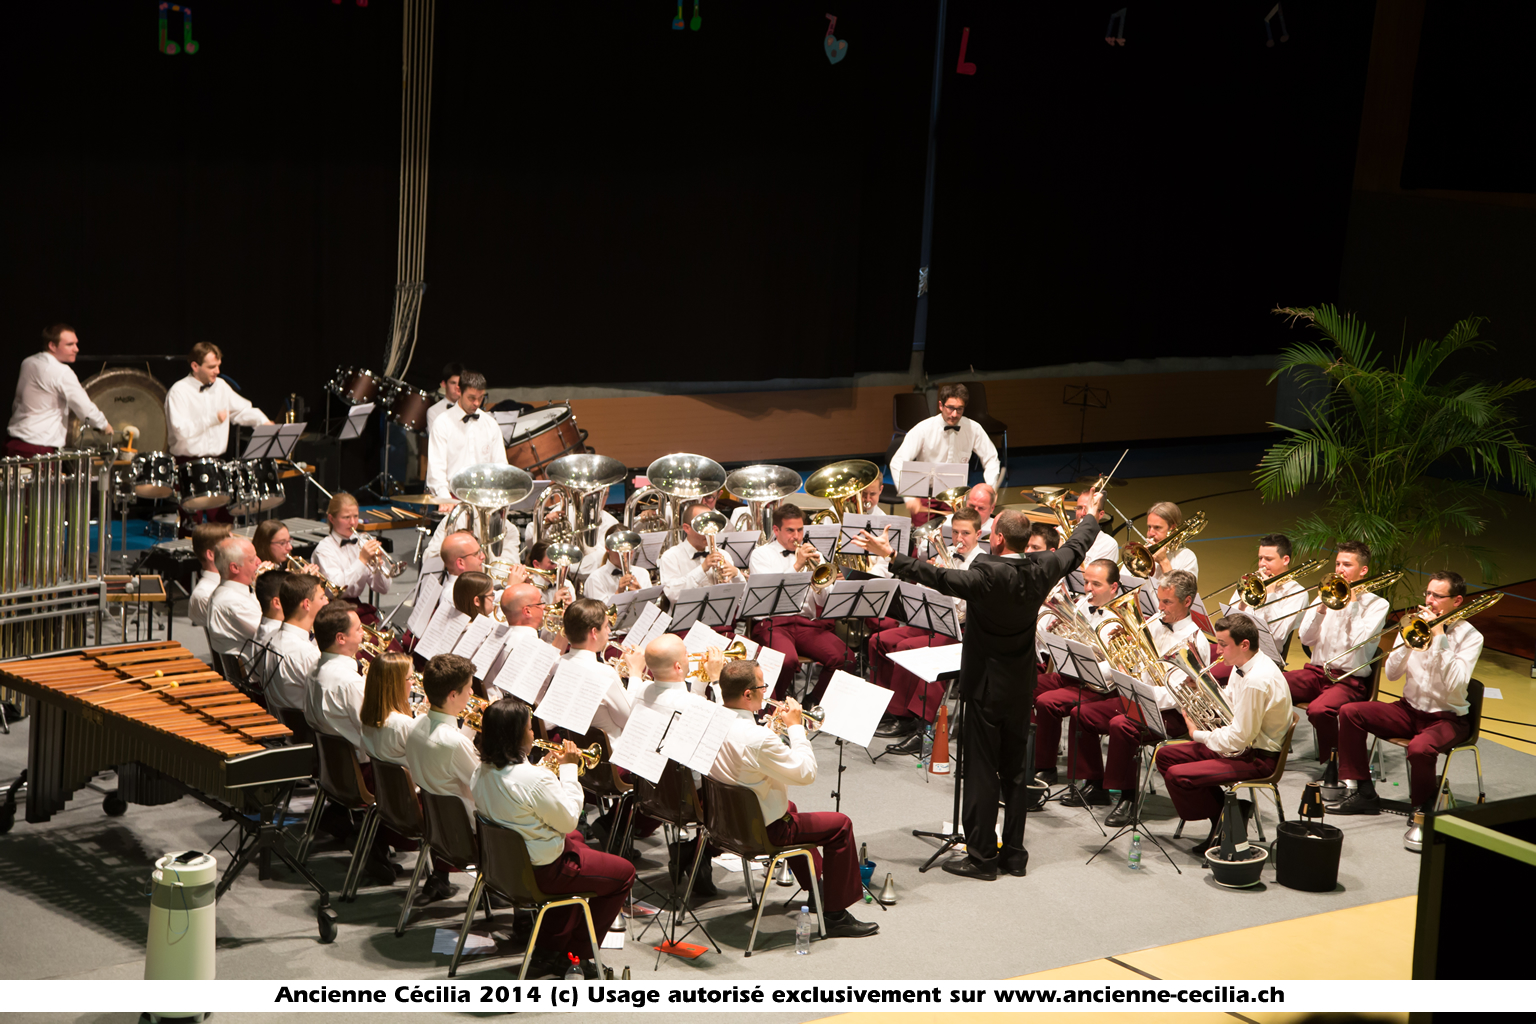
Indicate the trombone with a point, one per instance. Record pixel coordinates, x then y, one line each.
1141 559
1415 632
1254 586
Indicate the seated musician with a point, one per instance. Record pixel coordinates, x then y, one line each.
293 645
1245 748
538 558
256 656
1333 678
205 539
1104 545
273 542
545 810
1043 538
350 562
983 499
523 607
334 700
913 701
1283 604
440 755
1057 694
449 386
1162 519
1114 777
586 630
796 635
47 392
1432 712
234 613
460 553
386 715
757 757
687 564
610 579
474 594
948 437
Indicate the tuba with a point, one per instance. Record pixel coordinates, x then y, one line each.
589 757
841 484
578 487
486 488
762 488
1141 559
674 480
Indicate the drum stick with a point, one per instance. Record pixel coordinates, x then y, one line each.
137 693
157 674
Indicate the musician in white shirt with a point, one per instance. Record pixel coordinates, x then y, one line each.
523 607
1245 748
1056 694
1113 778
947 437
47 391
1283 602
200 407
293 645
1433 712
234 614
349 561
450 388
1332 678
796 635
611 579
205 540
983 500
686 565
1162 519
334 699
256 655
386 715
440 756
760 759
586 628
462 437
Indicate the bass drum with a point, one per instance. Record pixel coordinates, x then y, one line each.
203 484
407 405
127 397
542 436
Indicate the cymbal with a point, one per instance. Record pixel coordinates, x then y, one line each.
416 499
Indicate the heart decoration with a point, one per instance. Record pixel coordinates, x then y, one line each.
836 48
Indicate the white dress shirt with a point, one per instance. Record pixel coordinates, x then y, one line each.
192 424
436 409
669 694
1184 633
387 742
773 557
533 803
1330 636
680 571
442 760
964 562
234 615
754 756
930 442
334 701
258 665
346 570
47 391
1439 674
1261 711
1181 559
453 446
603 584
1279 611
1103 546
297 654
612 713
202 593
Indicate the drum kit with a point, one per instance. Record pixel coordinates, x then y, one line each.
407 405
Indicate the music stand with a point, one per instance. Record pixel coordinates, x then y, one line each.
771 594
1143 697
949 840
277 441
900 527
1268 645
1085 397
506 419
925 479
630 604
737 545
714 606
929 610
649 551
859 599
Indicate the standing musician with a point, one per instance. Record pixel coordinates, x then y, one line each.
1056 694
913 701
1285 601
449 386
334 701
1114 778
1104 546
687 565
351 563
545 809
611 579
1328 634
205 541
47 391
947 437
1162 519
293 645
198 411
1244 749
1002 592
462 437
760 759
796 635
1432 713
234 613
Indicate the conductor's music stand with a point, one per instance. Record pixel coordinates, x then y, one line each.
1141 696
1085 397
925 479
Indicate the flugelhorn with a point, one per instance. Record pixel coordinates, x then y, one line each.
372 554
813 717
1141 559
736 650
589 757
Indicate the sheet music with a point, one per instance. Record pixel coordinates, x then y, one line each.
638 748
507 421
631 604
1060 653
426 603
651 624
853 708
900 527
526 667
442 634
738 545
1085 663
273 440
649 550
474 636
824 535
701 638
357 419
694 737
574 694
1268 645
929 663
488 651
715 605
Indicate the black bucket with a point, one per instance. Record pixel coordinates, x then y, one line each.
1307 856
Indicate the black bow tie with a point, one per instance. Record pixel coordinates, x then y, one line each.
701 554
205 387
311 637
471 416
955 428
1238 671
618 572
787 552
349 540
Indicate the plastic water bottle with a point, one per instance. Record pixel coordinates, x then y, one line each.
927 755
573 972
1133 859
803 931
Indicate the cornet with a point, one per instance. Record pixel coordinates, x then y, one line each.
736 650
812 716
589 757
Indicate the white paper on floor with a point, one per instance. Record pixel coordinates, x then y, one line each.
1494 692
728 862
445 939
612 940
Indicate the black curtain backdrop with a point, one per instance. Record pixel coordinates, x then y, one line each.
1151 199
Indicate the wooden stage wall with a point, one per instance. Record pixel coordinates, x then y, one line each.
768 426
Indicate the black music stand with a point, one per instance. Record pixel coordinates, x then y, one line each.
737 545
630 604
714 606
955 837
770 595
1142 697
1085 397
1081 663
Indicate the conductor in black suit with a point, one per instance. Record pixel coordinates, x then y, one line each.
1002 592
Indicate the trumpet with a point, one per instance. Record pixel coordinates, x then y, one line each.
372 554
473 711
736 650
813 717
589 757
1141 559
297 564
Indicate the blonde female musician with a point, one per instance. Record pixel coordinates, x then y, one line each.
386 713
347 560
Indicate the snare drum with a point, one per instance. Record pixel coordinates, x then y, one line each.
153 475
355 386
202 484
541 436
407 405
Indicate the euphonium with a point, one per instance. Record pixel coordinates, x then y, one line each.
736 650
1201 700
841 483
1141 558
589 757
1126 639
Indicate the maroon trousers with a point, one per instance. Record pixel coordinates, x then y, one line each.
582 869
794 635
1195 774
15 448
910 695
837 863
1105 718
1324 696
1056 696
1429 734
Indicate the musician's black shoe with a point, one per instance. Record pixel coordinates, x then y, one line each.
1015 862
890 726
913 744
966 867
842 925
1124 808
379 870
437 888
543 964
1088 793
1047 776
1211 840
1356 801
